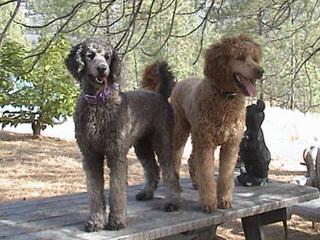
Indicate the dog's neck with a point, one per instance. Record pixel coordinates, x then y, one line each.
88 86
227 95
224 94
97 95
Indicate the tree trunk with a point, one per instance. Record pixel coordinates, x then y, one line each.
259 17
293 69
136 69
37 126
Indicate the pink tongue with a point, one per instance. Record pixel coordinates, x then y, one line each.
104 78
250 89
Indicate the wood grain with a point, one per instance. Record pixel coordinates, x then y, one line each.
62 217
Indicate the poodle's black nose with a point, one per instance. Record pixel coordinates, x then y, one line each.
260 72
102 68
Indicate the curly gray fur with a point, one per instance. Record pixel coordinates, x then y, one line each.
107 130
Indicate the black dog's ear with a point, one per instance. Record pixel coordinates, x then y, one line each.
115 67
261 105
74 61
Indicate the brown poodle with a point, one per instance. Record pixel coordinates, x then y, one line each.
213 111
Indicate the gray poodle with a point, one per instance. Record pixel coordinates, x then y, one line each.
108 122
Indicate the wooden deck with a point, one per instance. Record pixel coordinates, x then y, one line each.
62 217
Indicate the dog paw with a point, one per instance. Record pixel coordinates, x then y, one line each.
195 186
224 204
115 225
170 207
144 196
208 208
95 223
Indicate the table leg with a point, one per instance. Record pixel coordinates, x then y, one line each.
206 233
253 225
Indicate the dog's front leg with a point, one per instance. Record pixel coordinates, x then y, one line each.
203 163
228 158
93 167
118 192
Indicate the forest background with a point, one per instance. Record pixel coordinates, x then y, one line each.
36 35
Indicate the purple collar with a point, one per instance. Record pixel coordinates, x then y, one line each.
100 97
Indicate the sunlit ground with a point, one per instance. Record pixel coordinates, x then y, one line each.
34 168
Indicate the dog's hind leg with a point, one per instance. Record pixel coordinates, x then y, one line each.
163 147
93 167
180 136
228 158
192 173
145 153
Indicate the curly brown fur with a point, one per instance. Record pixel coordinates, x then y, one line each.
154 74
106 130
213 110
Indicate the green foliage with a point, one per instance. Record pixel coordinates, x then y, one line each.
177 31
180 49
44 95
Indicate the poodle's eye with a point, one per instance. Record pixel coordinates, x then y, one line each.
91 55
255 59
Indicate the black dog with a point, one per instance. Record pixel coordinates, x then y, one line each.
108 122
253 151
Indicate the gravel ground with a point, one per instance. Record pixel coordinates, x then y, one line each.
31 168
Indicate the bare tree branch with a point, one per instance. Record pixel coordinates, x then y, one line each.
6 28
7 2
50 41
201 6
53 20
149 14
169 33
202 32
307 59
108 25
135 12
99 17
88 20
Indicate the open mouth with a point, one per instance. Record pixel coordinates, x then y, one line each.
101 79
245 85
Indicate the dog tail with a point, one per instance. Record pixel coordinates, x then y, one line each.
158 77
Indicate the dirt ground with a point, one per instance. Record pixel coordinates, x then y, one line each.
32 168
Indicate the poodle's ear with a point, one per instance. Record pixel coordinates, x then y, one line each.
115 68
75 62
215 62
261 105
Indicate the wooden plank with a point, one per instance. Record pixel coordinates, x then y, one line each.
62 198
309 210
145 219
50 209
54 209
317 180
13 229
198 234
146 223
129 201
